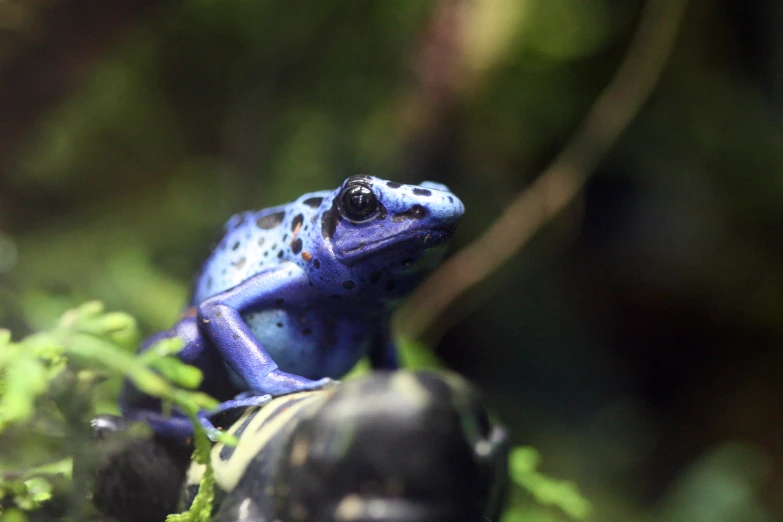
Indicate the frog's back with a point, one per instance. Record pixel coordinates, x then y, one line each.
254 241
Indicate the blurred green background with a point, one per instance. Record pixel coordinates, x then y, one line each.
636 341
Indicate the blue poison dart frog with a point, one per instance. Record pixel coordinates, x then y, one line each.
293 296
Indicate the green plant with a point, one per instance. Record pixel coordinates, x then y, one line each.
547 491
50 383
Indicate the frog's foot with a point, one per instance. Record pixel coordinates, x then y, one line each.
277 382
175 426
327 383
243 400
212 432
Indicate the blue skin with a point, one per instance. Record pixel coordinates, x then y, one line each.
293 296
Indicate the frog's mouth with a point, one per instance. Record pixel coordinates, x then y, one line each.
424 238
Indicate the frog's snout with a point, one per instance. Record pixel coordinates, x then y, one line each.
445 210
458 209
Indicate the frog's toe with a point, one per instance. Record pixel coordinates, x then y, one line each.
281 383
251 396
212 432
243 400
326 383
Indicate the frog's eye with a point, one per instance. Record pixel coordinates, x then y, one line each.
358 203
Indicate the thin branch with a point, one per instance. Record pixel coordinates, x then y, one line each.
561 182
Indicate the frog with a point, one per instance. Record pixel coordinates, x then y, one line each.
291 297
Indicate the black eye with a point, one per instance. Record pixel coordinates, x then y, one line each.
358 203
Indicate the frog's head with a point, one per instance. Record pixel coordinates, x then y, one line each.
385 235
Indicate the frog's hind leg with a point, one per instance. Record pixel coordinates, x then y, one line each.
175 426
180 427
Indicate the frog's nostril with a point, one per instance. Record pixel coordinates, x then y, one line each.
453 216
434 185
458 207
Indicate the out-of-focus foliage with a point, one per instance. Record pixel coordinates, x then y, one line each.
50 386
30 488
630 342
721 486
523 464
201 508
87 346
100 341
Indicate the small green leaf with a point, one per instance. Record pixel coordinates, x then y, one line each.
13 515
548 491
193 400
62 467
78 315
226 439
39 490
25 380
116 322
360 369
44 345
118 327
201 509
178 372
6 347
525 459
162 348
416 356
5 338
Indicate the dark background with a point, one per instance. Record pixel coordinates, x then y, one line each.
636 340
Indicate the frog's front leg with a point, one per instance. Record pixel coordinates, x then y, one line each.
221 318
